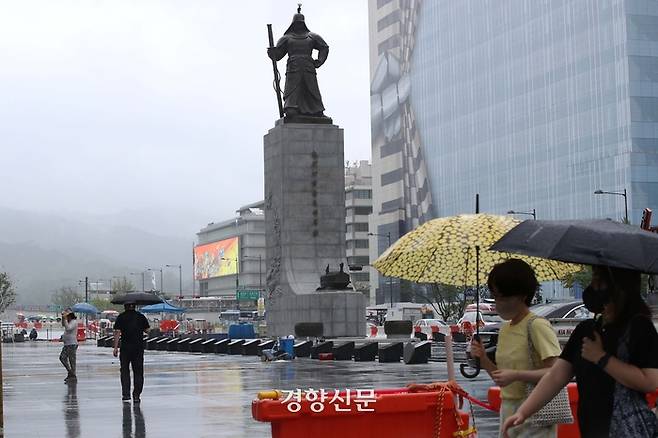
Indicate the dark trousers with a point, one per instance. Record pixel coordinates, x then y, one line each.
132 356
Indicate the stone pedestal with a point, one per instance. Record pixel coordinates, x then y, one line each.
304 220
342 313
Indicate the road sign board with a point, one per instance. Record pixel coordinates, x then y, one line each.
247 294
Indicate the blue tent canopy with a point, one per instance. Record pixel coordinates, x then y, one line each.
84 308
162 307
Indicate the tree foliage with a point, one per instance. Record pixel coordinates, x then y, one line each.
122 285
7 292
581 278
66 297
450 301
102 304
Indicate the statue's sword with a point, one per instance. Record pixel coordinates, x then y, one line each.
277 76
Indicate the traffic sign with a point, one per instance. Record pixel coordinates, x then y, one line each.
248 295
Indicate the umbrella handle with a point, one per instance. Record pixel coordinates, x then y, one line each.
476 360
463 366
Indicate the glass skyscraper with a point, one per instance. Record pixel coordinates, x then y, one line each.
533 104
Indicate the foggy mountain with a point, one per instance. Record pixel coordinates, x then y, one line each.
43 252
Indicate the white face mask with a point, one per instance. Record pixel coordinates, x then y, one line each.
508 307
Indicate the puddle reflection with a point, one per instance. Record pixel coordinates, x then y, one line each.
71 411
133 412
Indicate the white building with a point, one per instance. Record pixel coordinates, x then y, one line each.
358 207
221 246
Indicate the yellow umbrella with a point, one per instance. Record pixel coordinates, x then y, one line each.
444 251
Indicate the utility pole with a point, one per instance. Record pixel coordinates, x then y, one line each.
237 278
624 194
193 273
237 281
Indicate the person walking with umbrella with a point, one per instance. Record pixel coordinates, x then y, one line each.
129 329
70 340
614 359
527 345
614 356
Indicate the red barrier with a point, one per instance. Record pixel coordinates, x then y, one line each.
397 413
82 334
169 325
93 327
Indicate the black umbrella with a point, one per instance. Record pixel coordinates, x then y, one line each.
139 298
588 242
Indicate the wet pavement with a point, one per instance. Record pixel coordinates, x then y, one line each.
191 395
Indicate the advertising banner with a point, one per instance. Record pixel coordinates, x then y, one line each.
216 259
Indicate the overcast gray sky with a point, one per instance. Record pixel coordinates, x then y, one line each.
119 105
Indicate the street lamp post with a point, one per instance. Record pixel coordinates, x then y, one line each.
532 213
237 278
180 279
624 194
260 272
86 298
390 279
86 283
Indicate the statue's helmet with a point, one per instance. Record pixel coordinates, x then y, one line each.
297 18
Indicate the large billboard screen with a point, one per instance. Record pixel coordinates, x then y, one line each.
216 259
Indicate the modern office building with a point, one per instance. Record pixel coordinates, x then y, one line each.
531 104
230 255
358 207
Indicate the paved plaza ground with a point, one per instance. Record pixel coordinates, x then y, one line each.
185 395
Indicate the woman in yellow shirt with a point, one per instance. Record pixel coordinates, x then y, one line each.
513 285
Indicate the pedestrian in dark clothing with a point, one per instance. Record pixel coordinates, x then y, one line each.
130 327
614 359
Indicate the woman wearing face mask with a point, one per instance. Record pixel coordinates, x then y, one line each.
513 285
614 359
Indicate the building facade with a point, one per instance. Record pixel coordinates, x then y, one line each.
220 246
531 104
358 207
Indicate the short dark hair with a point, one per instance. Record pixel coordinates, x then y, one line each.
514 277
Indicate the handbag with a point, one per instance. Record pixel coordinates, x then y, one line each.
631 415
556 411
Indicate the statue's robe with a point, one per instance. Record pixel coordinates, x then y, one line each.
302 94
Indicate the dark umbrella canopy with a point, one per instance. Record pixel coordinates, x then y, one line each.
138 298
588 242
